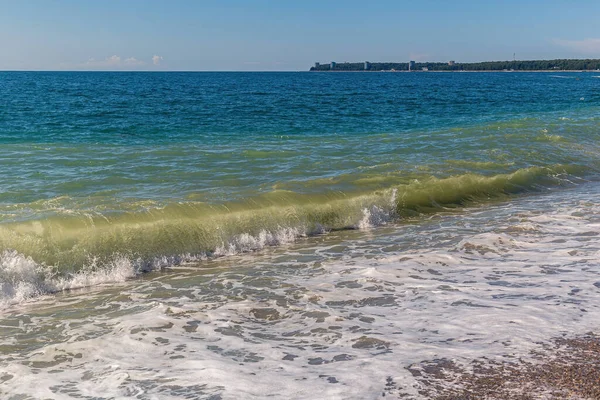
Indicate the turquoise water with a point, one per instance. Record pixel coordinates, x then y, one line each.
289 235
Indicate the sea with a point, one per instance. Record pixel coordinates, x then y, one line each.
289 235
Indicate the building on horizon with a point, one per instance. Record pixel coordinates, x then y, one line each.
367 66
411 65
451 63
317 65
332 65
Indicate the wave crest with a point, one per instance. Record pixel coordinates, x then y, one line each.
70 251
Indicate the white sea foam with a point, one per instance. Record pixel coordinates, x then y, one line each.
372 217
245 242
375 215
22 279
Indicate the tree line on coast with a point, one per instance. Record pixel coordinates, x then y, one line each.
516 65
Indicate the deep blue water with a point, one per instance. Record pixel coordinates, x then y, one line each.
165 107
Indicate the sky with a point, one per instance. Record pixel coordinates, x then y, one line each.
287 35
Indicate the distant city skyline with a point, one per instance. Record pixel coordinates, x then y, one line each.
263 35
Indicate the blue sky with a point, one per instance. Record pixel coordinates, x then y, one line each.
235 35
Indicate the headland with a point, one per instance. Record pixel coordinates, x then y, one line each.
452 66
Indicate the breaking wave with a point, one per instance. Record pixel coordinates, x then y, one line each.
77 249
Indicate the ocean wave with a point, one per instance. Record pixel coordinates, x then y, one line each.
78 249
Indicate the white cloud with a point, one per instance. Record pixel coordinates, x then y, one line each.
156 59
106 63
132 61
585 46
114 62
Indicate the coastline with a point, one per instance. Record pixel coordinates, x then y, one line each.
483 71
514 65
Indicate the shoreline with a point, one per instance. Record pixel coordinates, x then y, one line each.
458 72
